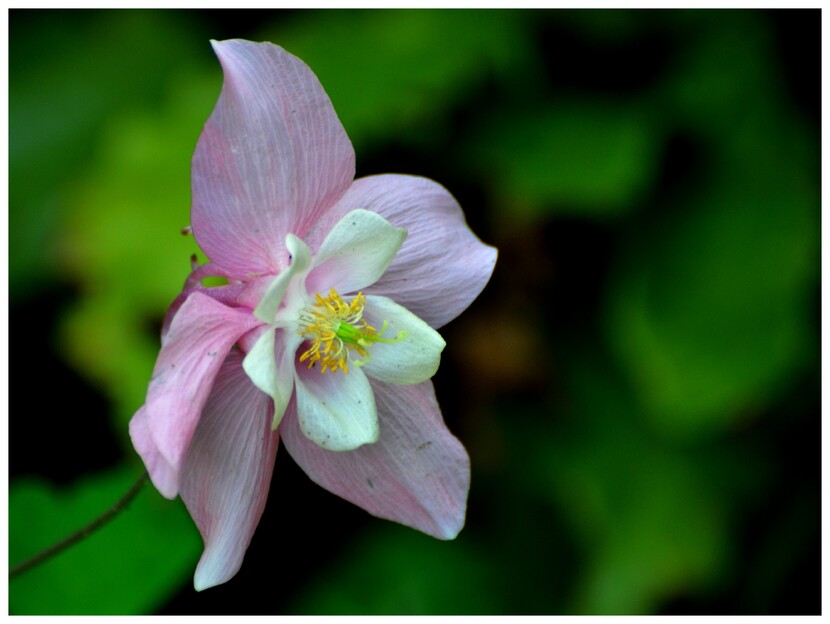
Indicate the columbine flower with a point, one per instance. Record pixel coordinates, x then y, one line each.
323 336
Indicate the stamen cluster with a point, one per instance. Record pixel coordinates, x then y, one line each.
334 327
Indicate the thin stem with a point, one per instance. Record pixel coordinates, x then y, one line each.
81 533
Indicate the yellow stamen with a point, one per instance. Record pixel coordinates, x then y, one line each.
335 328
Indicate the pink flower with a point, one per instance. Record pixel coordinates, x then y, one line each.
322 338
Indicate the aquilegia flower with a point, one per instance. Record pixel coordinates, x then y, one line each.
323 336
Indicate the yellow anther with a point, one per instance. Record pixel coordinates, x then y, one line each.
335 328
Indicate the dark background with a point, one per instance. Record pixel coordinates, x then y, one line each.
638 386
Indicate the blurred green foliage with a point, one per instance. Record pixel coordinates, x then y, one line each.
414 65
137 193
94 65
711 301
585 157
622 411
113 572
426 583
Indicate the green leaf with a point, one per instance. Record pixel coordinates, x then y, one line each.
62 88
711 307
651 516
582 158
392 73
131 565
123 243
397 571
712 314
711 87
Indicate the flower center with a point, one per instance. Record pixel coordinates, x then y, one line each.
335 328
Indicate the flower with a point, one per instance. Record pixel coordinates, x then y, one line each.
323 336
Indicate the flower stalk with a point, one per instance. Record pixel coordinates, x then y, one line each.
82 533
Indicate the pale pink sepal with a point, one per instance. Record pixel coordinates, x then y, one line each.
272 158
197 341
417 473
161 473
227 471
234 294
441 266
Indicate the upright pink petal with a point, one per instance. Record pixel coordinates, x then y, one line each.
441 266
227 472
417 473
200 336
161 473
272 158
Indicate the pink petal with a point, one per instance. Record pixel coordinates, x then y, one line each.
417 474
227 472
272 158
200 335
234 295
161 473
442 266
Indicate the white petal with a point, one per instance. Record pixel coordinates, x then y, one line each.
355 253
413 359
269 365
267 308
336 410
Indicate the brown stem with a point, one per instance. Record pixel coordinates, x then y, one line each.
81 533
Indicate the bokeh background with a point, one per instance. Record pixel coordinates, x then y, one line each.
638 386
